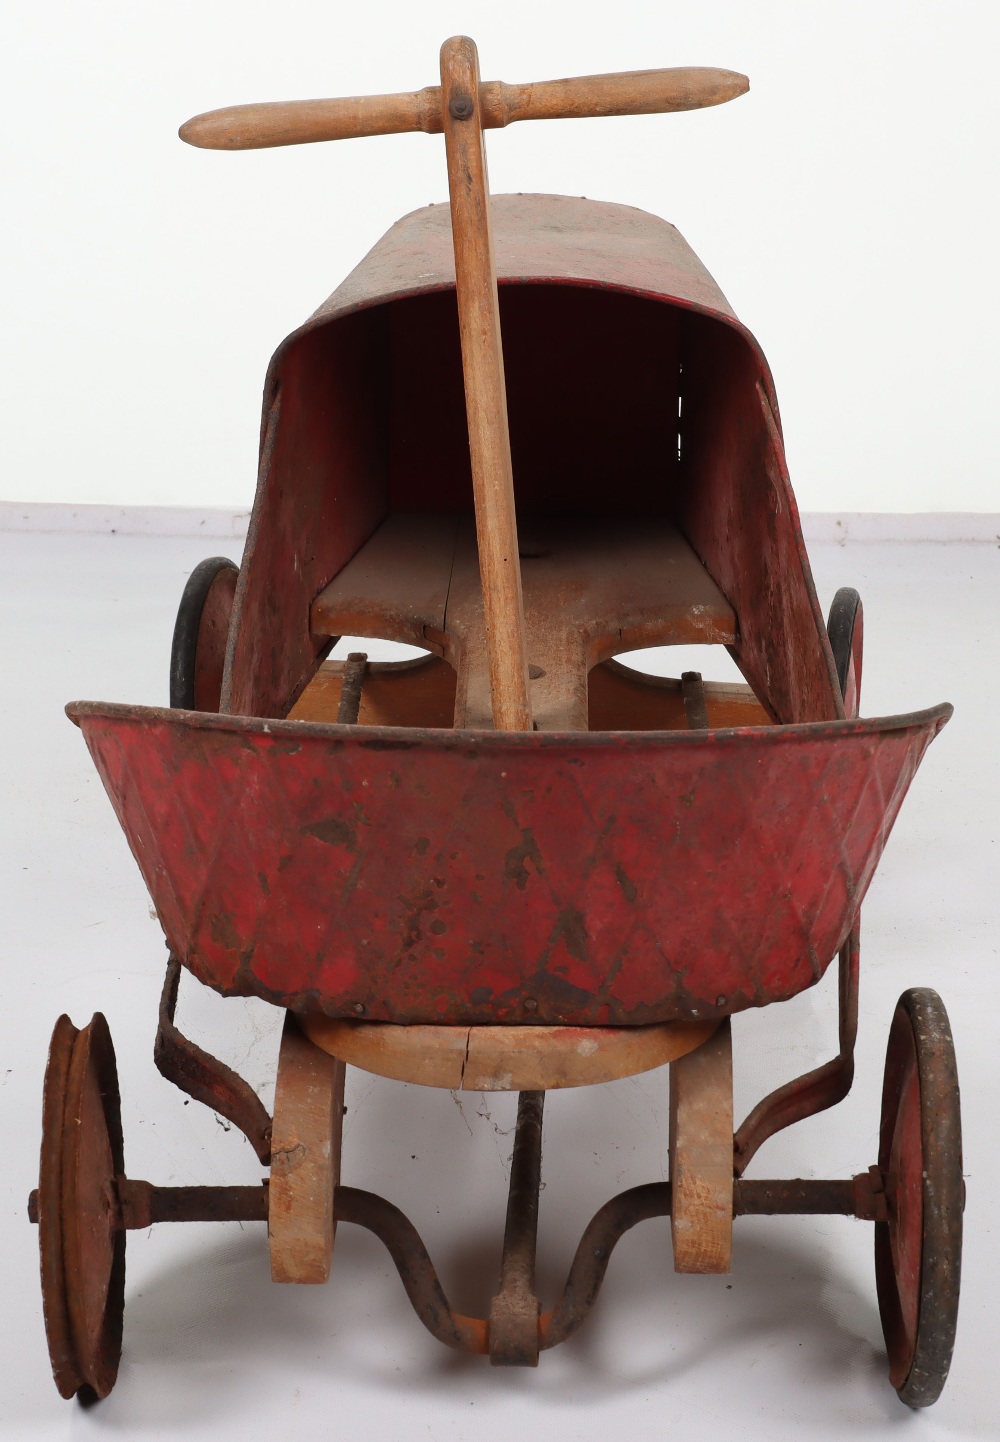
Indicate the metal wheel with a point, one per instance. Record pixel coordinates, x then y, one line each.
81 1242
846 628
918 1250
201 630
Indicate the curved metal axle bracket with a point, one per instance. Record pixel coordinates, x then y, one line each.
817 1090
204 1077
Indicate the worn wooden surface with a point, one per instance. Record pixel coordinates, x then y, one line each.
504 1058
591 588
396 588
305 1158
485 390
629 92
298 122
701 1156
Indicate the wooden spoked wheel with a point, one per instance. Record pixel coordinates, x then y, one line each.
918 1249
82 1244
198 650
846 628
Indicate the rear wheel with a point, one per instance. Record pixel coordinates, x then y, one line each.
198 652
918 1249
846 628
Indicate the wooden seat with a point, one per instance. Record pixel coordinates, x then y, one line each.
504 1058
593 588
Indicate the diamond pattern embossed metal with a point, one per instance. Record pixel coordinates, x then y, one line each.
420 876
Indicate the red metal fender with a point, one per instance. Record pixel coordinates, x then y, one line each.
590 879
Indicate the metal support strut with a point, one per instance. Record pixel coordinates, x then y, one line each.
817 1090
355 671
514 1311
203 1076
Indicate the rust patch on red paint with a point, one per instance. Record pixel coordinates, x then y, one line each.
517 858
334 832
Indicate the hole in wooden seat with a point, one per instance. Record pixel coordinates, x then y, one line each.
623 696
713 662
377 650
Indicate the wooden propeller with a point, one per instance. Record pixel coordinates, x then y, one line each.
463 107
298 122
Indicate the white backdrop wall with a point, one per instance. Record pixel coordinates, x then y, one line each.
847 206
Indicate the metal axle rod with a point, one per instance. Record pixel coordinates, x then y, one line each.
514 1333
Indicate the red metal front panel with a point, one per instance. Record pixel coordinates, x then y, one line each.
601 878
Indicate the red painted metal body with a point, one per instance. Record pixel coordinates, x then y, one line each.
436 876
604 878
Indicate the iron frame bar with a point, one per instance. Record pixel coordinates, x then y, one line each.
137 1205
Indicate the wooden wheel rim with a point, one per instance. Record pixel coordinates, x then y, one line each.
918 1249
82 1248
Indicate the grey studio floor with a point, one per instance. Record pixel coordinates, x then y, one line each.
787 1346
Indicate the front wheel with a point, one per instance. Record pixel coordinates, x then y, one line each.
918 1249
